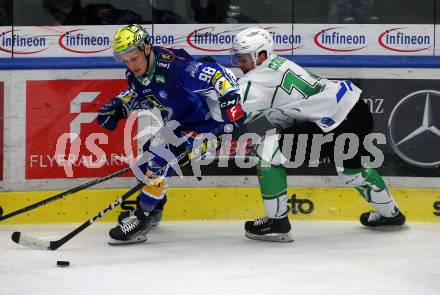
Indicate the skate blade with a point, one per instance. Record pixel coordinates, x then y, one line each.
387 228
281 238
135 240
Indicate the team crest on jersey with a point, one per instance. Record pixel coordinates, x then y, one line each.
223 86
166 57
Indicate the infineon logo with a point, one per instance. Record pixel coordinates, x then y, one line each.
396 39
12 42
294 41
75 41
161 39
337 40
205 39
202 38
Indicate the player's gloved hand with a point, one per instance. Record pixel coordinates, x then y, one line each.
231 110
110 114
208 144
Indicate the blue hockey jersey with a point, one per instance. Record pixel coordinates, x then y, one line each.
190 92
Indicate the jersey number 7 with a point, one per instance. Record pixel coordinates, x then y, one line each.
301 84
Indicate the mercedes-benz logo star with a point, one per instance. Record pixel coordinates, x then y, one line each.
413 130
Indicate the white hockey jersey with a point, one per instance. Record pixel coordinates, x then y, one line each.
286 93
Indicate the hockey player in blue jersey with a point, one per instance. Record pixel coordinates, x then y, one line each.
200 96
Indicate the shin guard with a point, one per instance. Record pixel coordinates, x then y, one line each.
273 186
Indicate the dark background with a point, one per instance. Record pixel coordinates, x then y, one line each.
95 12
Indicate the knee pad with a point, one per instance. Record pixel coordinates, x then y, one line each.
269 152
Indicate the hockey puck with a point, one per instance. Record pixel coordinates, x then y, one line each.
61 263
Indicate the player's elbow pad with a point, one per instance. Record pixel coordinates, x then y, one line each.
232 112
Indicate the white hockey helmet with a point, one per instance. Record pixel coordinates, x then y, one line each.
252 41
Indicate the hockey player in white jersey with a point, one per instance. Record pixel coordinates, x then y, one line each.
299 102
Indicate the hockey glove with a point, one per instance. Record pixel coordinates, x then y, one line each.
110 114
231 110
211 144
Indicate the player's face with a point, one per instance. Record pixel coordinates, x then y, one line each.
135 61
244 62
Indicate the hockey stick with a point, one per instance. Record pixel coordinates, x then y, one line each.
65 194
34 243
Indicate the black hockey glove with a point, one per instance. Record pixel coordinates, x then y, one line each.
232 112
110 114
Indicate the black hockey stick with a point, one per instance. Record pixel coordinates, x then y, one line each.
34 243
65 194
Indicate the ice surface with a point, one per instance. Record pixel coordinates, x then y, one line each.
213 258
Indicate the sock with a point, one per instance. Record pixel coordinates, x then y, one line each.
372 188
153 193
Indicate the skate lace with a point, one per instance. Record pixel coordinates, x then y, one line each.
129 223
260 221
374 216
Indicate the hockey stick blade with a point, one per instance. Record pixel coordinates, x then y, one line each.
30 242
34 243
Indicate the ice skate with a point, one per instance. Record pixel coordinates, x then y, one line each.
375 219
269 229
156 214
133 229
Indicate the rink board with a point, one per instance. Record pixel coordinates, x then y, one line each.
220 204
42 105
